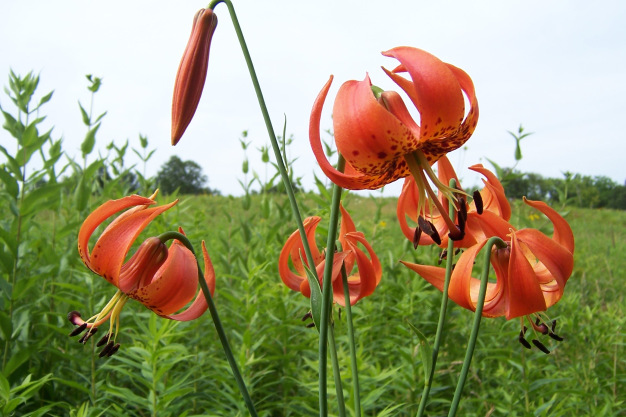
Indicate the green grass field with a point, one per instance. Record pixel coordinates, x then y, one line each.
166 368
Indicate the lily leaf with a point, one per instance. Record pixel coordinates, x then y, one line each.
316 296
425 351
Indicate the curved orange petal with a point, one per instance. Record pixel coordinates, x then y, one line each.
173 285
369 275
111 248
294 250
524 294
351 179
99 215
562 231
434 90
555 257
199 305
369 136
493 195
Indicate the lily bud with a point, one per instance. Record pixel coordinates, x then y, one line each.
192 72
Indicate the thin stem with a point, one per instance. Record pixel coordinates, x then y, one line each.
336 372
442 315
216 321
270 131
475 327
327 290
353 364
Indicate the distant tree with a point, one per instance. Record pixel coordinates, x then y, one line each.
186 176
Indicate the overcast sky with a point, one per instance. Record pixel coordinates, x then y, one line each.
557 67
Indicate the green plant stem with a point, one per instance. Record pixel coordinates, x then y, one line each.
442 313
270 130
336 372
327 290
216 321
475 327
353 363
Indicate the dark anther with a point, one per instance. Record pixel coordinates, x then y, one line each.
310 325
523 341
429 228
87 335
457 251
104 340
72 316
553 325
307 316
462 210
416 237
113 350
541 327
524 331
106 349
78 330
444 255
339 314
555 337
540 346
478 202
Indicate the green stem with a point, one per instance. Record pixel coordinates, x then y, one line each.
475 327
336 372
355 372
442 313
270 130
216 320
327 290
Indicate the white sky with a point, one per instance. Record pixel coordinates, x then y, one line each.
555 66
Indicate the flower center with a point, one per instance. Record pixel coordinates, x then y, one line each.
539 326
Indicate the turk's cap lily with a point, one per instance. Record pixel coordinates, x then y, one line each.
531 272
192 72
360 284
486 215
375 135
163 279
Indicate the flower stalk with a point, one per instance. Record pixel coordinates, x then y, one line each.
442 315
469 353
217 322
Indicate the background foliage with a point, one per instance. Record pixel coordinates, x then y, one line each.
166 368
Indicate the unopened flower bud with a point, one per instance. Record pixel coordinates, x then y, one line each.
192 72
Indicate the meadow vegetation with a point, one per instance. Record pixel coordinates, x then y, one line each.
166 368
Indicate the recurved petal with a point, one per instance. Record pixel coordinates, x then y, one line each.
199 305
173 285
99 215
524 295
493 195
562 231
434 90
369 274
294 250
351 179
370 137
107 257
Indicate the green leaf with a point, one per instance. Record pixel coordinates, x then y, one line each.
90 140
85 115
426 352
45 99
316 296
30 135
10 183
40 197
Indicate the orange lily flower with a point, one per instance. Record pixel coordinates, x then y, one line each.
361 284
487 218
192 72
379 139
531 273
161 278
376 135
